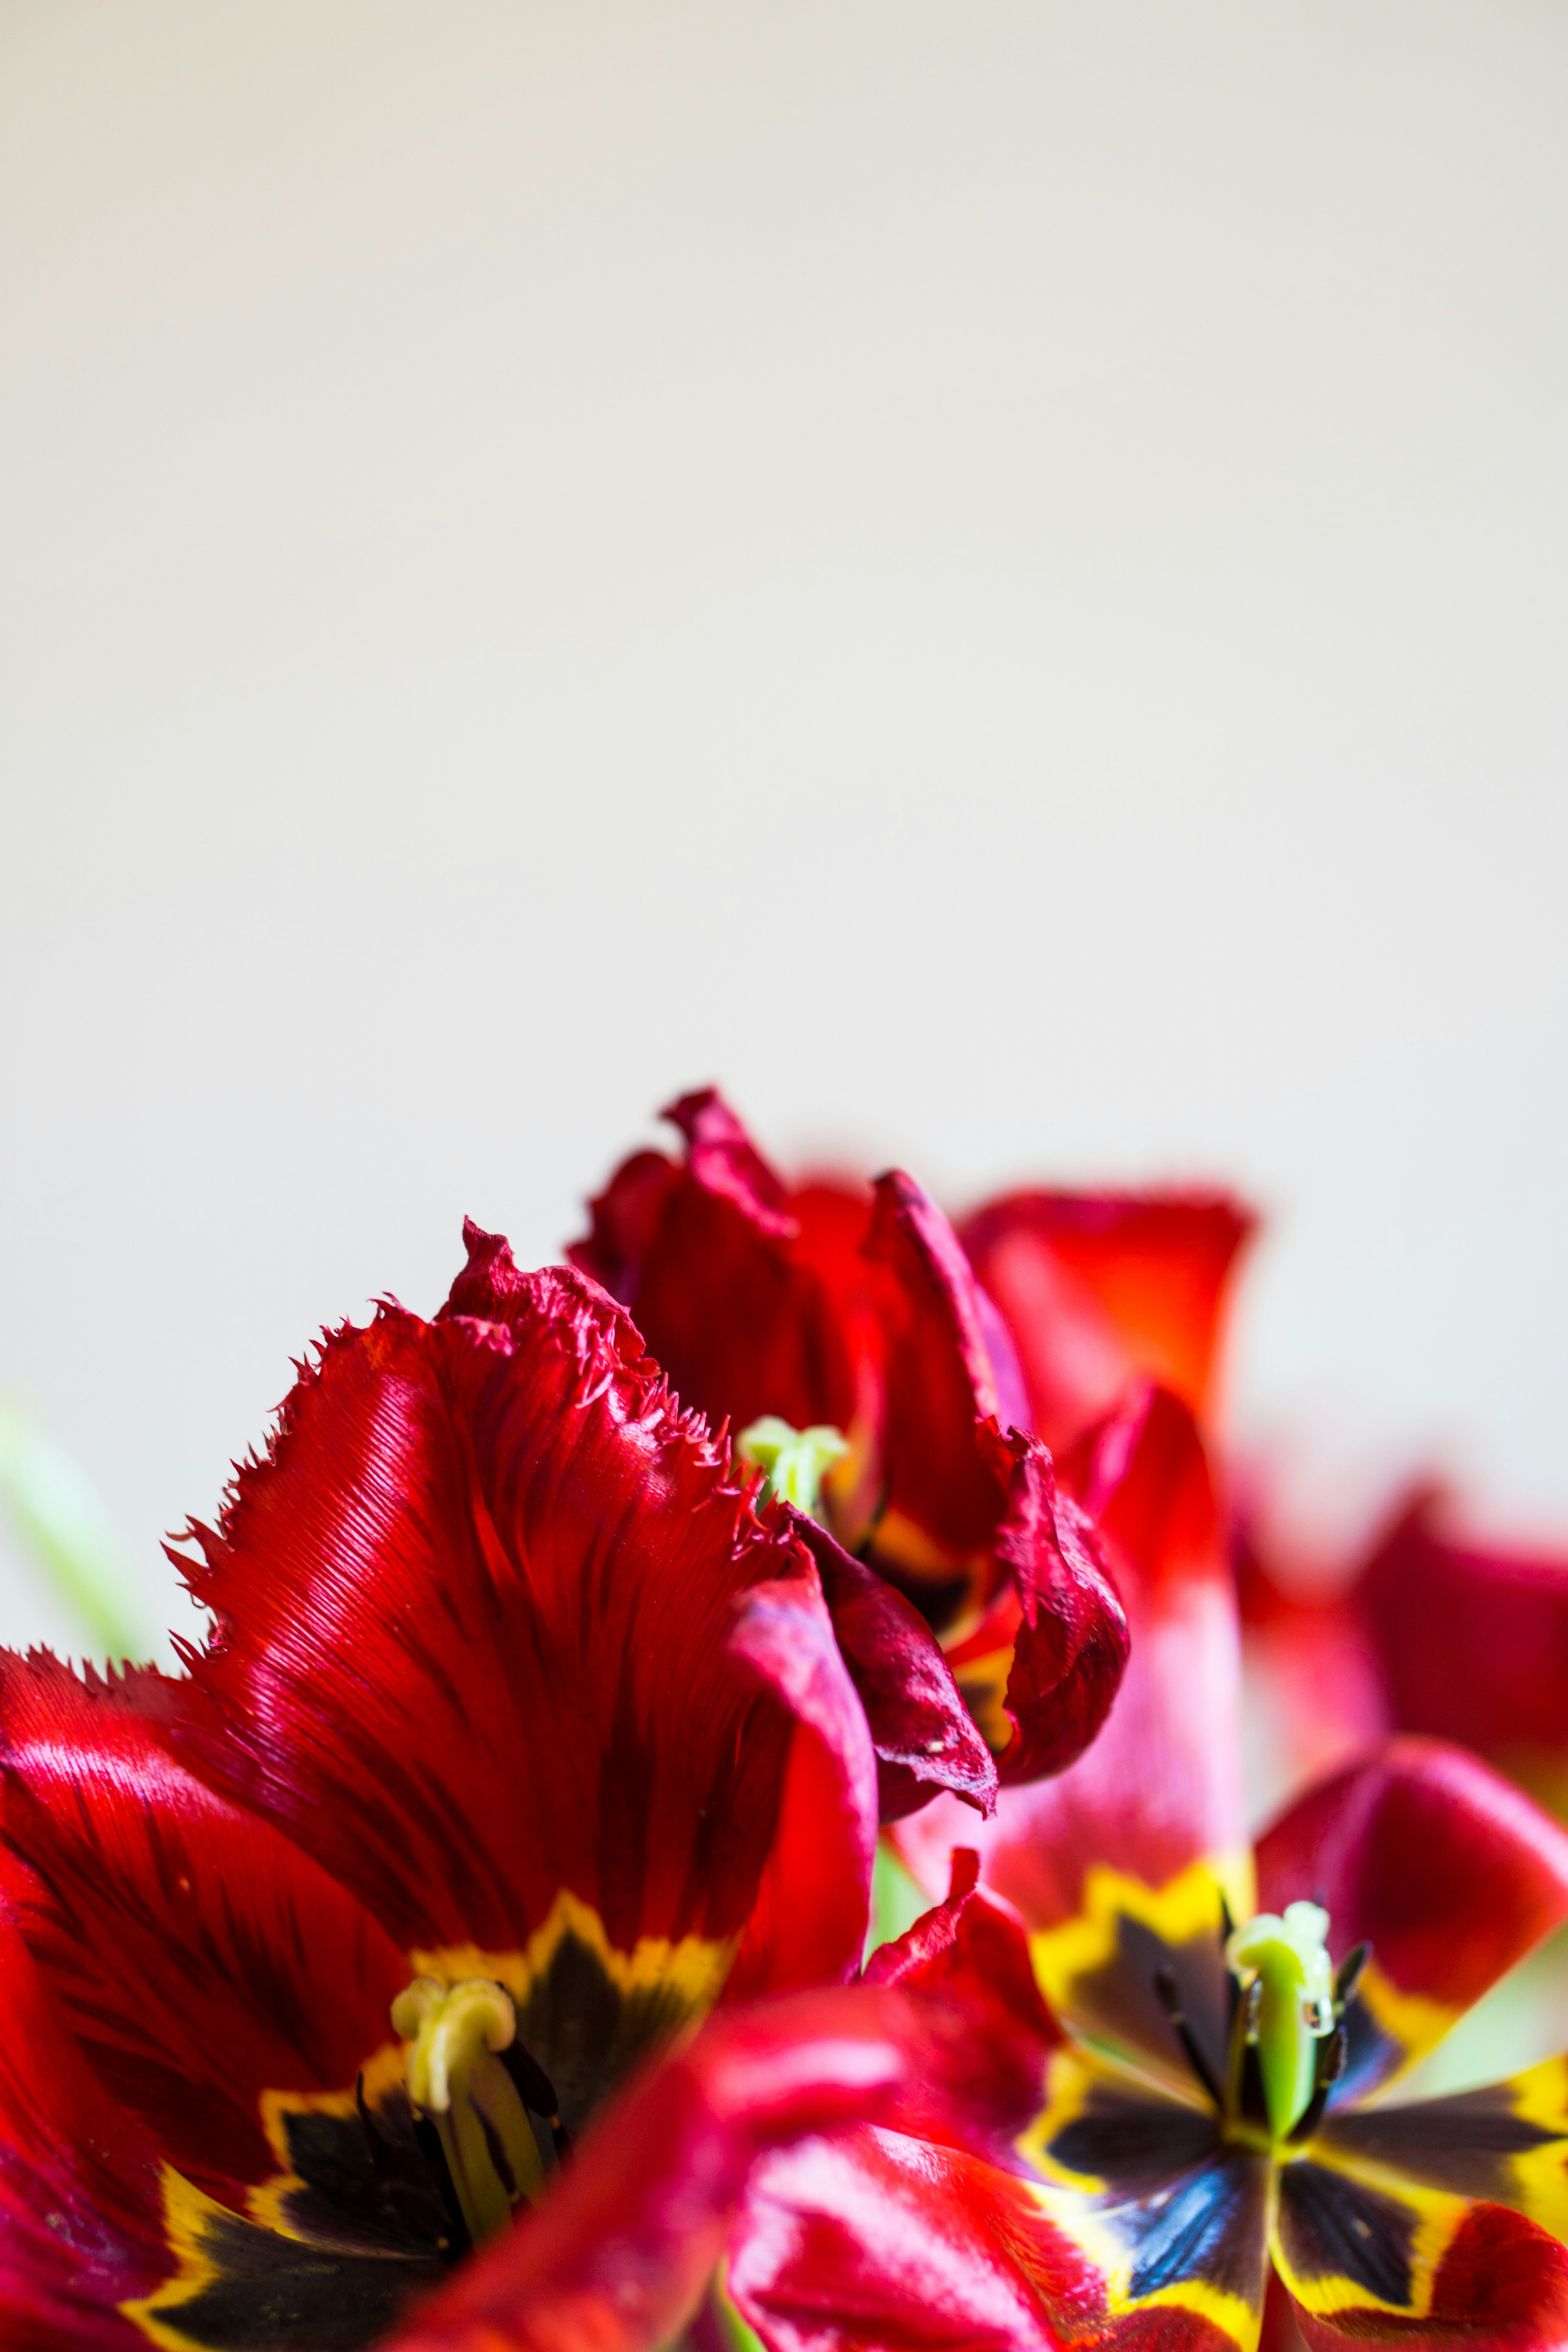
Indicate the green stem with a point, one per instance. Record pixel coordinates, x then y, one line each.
66 1529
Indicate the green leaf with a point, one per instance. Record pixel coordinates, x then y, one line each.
732 2326
896 1901
65 1528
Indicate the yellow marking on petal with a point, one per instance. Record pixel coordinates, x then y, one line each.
695 1967
1410 2019
1231 2314
1541 2174
1439 2214
193 2223
982 1686
268 2203
1181 1911
187 2213
1083 2206
904 1542
851 1486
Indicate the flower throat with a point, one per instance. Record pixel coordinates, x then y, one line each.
486 2116
1287 2040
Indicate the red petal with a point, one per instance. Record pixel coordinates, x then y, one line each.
965 1967
1070 1642
1447 1871
872 2240
474 1612
617 2257
201 1958
80 2206
702 1254
1160 1787
939 1381
812 1910
1502 2287
1472 1644
1315 1666
923 1733
726 1162
1101 1289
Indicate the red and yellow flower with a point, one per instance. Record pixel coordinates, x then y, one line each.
1180 2058
522 1746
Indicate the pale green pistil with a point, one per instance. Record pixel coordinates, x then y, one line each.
457 2081
794 1461
1287 1985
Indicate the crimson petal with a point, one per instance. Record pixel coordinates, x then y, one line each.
940 1379
701 1253
1501 2284
1159 1792
1070 1638
201 1958
1101 1289
475 1614
872 2239
965 1967
80 2206
1471 1642
810 1917
924 1735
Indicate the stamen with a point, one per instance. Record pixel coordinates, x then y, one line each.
1169 1993
1352 1967
794 1461
1288 2005
460 2088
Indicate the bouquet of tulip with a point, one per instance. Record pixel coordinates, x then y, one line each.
710 1812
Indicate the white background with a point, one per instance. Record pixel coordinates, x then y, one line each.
990 575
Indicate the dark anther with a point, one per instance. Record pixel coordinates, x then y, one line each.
1333 2052
1350 1974
1170 1993
1232 1981
532 2084
496 2151
435 2155
537 2092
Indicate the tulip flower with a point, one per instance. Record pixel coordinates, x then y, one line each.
1182 2059
431 1961
840 1332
